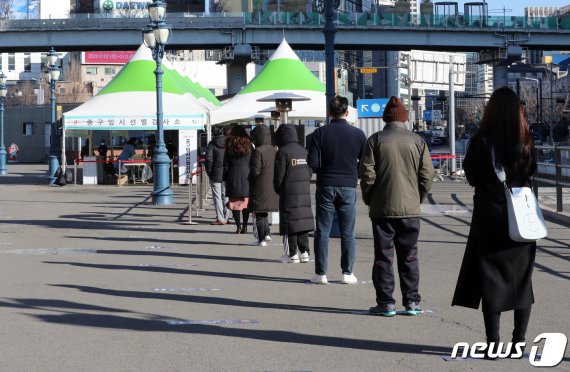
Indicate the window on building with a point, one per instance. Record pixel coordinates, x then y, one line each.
91 70
28 129
11 62
27 62
109 71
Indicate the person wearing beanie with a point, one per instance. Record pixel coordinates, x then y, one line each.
395 111
334 154
396 174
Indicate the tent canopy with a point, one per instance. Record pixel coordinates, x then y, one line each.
283 73
128 102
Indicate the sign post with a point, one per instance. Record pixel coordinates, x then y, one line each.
371 108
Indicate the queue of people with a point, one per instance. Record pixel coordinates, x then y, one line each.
396 172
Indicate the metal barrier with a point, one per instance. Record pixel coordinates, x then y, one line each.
444 166
554 169
201 186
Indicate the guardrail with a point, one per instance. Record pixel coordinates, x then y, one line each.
442 164
554 169
352 19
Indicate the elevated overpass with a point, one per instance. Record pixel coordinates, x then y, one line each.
356 31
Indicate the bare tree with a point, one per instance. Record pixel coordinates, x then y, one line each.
6 8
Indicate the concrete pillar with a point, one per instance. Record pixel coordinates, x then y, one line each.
393 74
237 77
500 74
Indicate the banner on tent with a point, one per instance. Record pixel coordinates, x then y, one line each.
133 123
187 155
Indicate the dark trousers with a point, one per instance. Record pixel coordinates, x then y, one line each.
396 236
261 226
493 321
297 243
237 218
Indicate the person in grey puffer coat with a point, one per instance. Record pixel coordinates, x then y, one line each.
262 197
292 181
215 171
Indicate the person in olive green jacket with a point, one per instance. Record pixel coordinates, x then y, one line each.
396 174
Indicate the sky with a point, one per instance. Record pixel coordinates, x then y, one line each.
516 7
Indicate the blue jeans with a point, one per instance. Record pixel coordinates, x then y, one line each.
328 200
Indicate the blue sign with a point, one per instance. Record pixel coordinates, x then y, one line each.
371 108
427 115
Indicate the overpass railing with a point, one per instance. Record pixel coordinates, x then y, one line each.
553 169
303 19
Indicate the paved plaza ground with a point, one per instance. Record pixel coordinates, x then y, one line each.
95 278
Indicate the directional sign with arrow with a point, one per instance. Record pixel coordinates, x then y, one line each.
371 108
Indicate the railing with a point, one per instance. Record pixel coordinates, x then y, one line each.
554 169
357 20
442 164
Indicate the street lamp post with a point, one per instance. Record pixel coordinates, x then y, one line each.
52 77
3 153
156 35
327 7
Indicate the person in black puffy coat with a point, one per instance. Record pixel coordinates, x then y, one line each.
236 171
292 181
263 198
214 170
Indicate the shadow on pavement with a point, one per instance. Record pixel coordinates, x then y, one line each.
169 270
156 323
181 255
206 300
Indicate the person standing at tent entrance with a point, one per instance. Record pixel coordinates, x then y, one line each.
215 171
396 174
102 150
237 157
334 154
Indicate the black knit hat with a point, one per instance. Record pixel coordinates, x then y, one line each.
395 111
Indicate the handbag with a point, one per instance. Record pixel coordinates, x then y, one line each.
526 222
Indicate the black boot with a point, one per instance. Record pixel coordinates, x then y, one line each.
495 346
514 349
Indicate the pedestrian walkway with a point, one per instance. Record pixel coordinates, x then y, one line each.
95 278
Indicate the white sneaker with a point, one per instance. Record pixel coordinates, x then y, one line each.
304 257
263 243
287 259
319 279
349 279
268 238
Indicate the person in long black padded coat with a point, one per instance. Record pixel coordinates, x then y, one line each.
292 181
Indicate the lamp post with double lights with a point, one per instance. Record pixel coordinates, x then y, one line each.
52 77
156 35
3 152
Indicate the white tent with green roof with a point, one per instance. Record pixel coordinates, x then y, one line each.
128 102
283 73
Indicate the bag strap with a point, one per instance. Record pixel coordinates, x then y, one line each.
500 172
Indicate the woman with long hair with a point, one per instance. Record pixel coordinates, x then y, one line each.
237 156
496 270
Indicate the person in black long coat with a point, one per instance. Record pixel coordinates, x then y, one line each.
237 157
292 181
263 198
496 270
214 170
